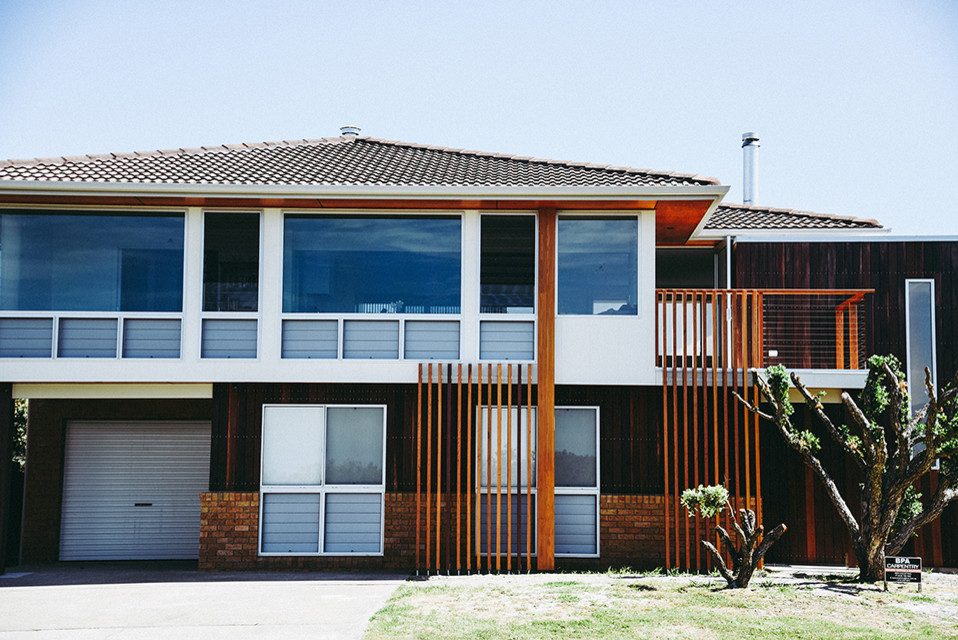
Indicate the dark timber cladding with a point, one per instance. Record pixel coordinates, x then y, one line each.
6 452
883 266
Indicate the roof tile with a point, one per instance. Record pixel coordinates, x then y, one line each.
740 216
352 161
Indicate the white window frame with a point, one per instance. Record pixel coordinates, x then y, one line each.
233 315
919 385
602 215
401 317
531 317
323 489
587 491
521 491
56 315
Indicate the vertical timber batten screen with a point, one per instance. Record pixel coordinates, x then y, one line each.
707 342
713 351
474 496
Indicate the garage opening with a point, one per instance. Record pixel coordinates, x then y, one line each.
131 490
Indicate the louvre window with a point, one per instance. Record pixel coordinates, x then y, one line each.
323 480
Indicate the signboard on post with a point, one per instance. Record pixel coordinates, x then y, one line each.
902 570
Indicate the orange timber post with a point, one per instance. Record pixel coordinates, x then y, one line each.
545 463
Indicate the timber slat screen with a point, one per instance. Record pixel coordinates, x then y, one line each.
475 425
708 342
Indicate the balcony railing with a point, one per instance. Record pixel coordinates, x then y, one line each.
746 328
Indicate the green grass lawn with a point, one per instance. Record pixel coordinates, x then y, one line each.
627 605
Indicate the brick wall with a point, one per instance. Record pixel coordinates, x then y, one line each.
229 532
632 533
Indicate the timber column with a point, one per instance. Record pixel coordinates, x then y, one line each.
546 390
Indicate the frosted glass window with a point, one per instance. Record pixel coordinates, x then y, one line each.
292 445
920 312
513 453
575 447
354 445
597 266
371 264
91 261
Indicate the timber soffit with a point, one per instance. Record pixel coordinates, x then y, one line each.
336 162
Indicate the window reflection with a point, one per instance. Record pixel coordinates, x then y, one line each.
598 266
91 262
368 264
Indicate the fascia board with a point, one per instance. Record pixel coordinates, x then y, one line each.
658 192
700 227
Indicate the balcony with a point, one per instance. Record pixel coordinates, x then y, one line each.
747 328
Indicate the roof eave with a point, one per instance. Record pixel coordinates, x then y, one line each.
717 234
661 192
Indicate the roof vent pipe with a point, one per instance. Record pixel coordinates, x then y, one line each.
349 131
750 147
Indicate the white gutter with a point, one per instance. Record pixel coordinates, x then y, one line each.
851 237
759 235
653 192
700 227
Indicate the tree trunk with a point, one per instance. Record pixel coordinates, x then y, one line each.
870 553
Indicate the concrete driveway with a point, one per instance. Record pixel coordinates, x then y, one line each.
173 600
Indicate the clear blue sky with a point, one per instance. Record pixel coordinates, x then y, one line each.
856 102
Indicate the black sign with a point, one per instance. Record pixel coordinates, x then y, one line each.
899 569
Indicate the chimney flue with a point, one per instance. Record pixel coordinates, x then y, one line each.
349 131
750 147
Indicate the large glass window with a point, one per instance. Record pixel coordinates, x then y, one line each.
67 261
231 262
597 266
323 480
371 264
507 264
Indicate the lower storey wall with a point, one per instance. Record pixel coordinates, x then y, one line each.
632 533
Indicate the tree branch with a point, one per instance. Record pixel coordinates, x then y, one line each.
816 406
719 561
769 540
753 408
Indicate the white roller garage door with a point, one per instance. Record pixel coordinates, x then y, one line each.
131 490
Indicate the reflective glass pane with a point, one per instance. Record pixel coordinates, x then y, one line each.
292 445
921 346
91 262
354 445
597 266
508 264
575 448
231 262
370 264
509 455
